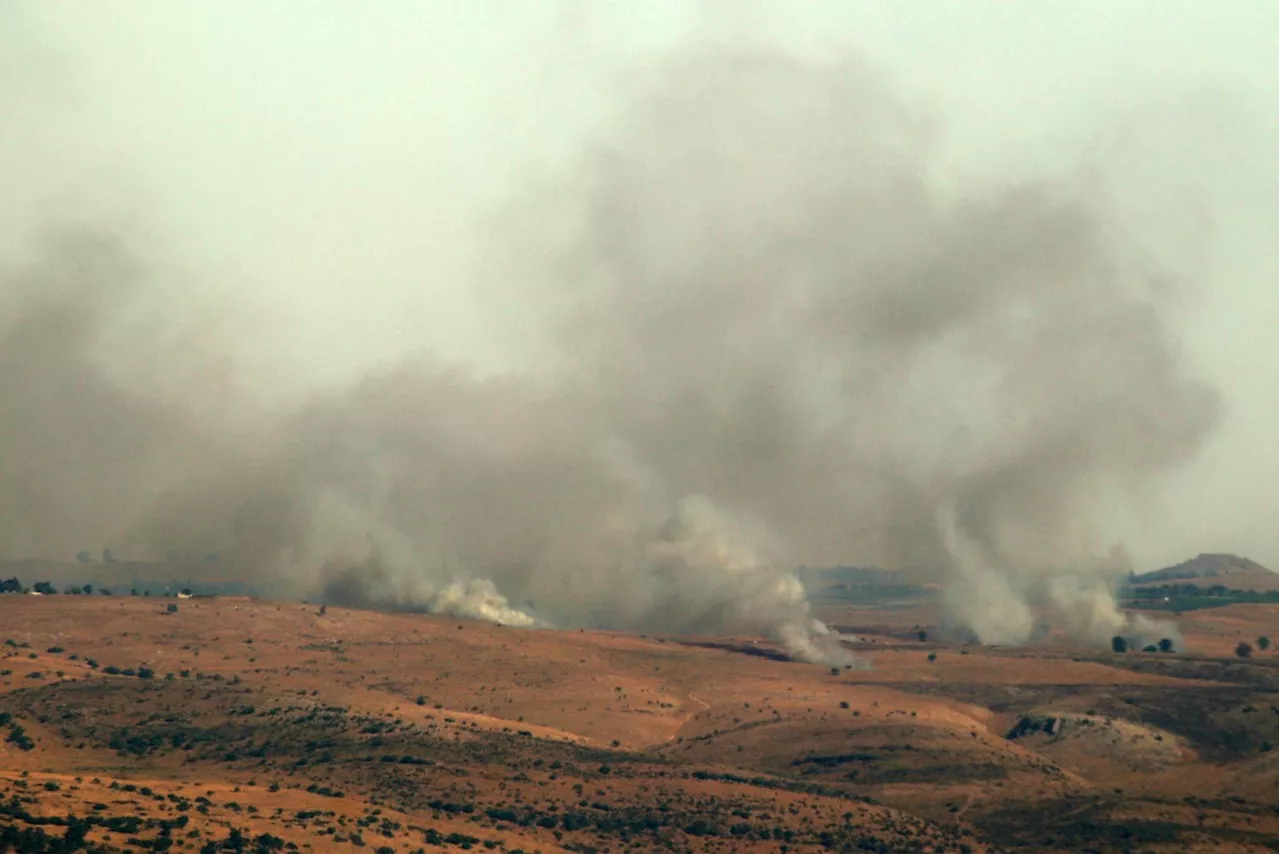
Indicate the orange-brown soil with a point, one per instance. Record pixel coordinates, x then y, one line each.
345 729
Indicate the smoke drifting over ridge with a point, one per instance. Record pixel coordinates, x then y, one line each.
766 340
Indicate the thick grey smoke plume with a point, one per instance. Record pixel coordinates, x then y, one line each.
766 340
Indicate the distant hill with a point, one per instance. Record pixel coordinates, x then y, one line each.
1237 573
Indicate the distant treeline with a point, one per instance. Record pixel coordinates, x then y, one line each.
868 593
858 584
134 588
1192 597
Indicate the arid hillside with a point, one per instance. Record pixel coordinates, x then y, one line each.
1228 570
157 723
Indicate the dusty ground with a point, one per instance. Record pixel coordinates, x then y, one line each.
357 729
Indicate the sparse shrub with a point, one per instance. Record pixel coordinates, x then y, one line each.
55 650
1151 648
844 704
171 608
19 738
422 701
1244 650
933 656
1264 642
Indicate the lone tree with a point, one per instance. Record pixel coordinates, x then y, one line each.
1264 642
1166 645
923 635
1119 644
1244 650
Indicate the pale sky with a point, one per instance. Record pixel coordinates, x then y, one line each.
334 163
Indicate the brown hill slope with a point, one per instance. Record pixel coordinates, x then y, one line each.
1237 573
349 728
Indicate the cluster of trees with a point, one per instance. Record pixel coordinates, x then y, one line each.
1243 649
1190 597
1120 645
46 588
18 737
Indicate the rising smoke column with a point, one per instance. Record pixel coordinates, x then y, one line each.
766 340
774 307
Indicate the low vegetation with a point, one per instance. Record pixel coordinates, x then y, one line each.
259 726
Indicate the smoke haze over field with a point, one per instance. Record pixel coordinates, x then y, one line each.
754 331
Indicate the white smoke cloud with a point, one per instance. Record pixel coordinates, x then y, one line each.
762 338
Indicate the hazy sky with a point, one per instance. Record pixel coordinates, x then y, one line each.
337 164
